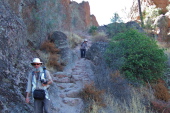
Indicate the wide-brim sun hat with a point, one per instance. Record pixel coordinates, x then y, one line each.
36 60
85 40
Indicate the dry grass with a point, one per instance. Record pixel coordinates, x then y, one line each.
74 39
49 47
160 106
51 56
115 74
137 104
161 92
102 37
53 62
93 97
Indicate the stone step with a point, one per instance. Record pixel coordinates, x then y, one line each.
73 93
72 101
61 74
65 85
62 80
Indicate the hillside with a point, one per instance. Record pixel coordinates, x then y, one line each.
53 30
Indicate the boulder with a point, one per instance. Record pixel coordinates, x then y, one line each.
61 42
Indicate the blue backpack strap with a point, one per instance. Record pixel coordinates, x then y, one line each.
32 75
44 68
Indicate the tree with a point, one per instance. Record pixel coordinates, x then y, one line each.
140 12
116 26
116 18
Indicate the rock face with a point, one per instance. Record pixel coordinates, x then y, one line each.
134 12
63 14
15 56
161 22
24 25
61 42
161 4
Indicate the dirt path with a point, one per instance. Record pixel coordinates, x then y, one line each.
69 84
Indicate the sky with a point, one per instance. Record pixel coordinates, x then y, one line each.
104 9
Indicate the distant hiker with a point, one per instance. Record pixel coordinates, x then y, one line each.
39 80
83 48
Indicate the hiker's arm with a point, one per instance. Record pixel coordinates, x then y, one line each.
50 81
27 99
28 90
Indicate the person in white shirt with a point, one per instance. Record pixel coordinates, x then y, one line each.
39 78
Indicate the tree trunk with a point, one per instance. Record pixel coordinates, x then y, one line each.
140 13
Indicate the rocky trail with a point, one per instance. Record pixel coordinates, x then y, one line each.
69 83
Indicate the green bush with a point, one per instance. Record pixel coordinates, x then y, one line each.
137 56
116 26
93 30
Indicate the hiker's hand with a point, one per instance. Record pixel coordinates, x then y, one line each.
44 84
27 100
48 83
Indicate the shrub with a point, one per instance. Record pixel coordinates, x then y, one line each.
152 12
53 58
137 56
161 92
93 30
160 107
92 95
117 26
53 62
74 39
100 37
49 47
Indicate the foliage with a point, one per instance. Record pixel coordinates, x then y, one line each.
160 107
168 7
136 105
137 56
116 18
92 95
100 37
74 39
49 47
152 12
161 92
116 26
53 58
53 62
93 30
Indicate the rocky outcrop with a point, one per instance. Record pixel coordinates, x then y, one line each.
61 42
24 26
134 12
61 14
15 57
161 4
161 22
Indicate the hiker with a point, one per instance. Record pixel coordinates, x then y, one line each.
83 48
39 80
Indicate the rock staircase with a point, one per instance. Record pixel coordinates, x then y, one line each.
69 83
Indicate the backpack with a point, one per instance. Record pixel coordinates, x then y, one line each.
43 79
39 94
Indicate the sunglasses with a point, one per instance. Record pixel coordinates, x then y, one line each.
35 64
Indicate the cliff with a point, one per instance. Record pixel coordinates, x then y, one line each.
24 26
156 15
64 14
